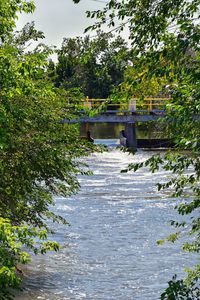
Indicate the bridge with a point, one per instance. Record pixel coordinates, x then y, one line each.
127 112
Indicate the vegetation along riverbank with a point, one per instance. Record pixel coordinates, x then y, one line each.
41 157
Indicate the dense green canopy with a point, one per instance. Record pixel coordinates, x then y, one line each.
94 65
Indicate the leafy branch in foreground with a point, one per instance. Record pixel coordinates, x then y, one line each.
177 289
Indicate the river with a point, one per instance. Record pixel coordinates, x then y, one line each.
110 250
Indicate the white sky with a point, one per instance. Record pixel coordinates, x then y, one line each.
60 18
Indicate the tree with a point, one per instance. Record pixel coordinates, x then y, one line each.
148 21
39 155
165 35
95 65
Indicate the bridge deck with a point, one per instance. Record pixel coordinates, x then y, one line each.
114 118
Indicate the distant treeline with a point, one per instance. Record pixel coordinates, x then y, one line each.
94 65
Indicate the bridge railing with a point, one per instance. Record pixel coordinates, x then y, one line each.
148 104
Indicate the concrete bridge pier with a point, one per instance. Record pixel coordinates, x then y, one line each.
130 132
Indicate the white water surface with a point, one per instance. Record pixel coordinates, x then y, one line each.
110 251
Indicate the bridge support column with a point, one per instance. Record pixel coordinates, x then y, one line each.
130 132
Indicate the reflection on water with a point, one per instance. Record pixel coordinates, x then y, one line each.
112 130
109 251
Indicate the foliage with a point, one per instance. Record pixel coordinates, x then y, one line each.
138 84
148 21
39 154
179 290
95 65
13 239
165 34
8 14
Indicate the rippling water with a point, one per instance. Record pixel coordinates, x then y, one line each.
109 251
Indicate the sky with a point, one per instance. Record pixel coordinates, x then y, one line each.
60 18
